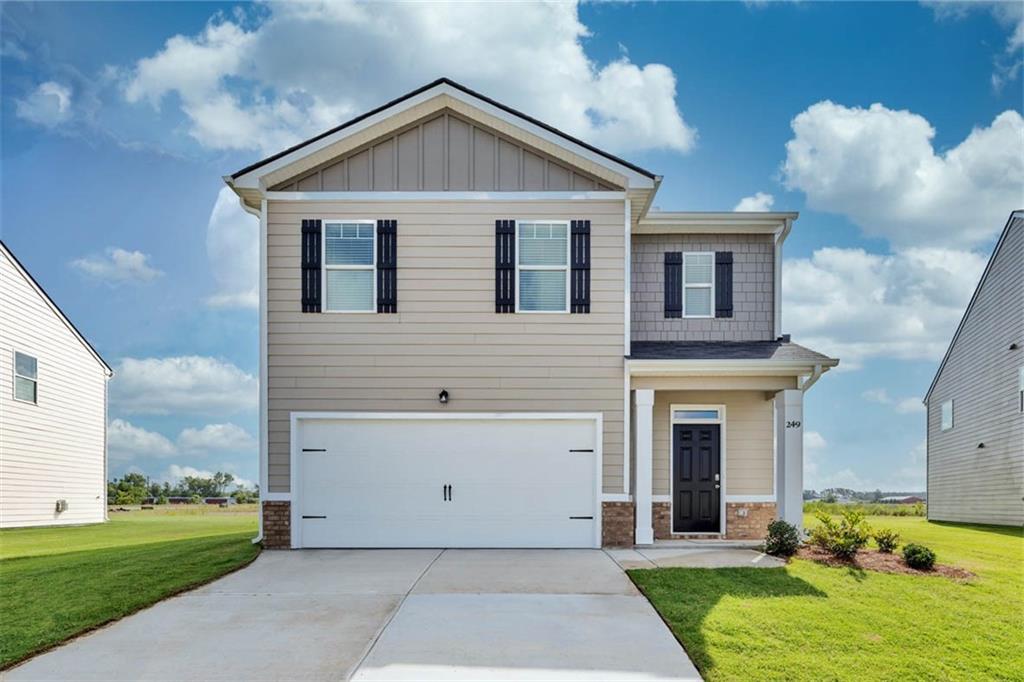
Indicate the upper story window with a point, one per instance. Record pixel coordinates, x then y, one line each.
349 272
543 267
698 285
26 379
947 415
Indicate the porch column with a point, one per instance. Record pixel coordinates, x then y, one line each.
789 456
644 484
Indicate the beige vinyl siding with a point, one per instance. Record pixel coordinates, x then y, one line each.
446 333
967 483
53 449
749 439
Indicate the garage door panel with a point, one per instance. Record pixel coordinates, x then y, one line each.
514 482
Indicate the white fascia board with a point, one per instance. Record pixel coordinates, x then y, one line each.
391 197
680 368
728 221
251 180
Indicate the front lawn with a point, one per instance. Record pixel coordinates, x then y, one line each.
59 582
808 621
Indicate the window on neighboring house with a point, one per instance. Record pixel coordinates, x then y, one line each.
698 285
26 378
1020 389
947 415
543 267
349 267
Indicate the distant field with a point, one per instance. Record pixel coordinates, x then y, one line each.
868 508
58 582
806 621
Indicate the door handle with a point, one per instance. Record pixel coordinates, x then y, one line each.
444 492
449 492
717 486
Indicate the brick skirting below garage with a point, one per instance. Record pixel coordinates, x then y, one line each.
277 525
617 524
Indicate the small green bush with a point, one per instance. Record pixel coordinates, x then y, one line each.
782 539
162 500
918 556
195 499
842 538
887 540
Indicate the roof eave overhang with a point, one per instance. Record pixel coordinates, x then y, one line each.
719 223
723 368
254 177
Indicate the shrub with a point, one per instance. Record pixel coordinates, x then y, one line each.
782 539
195 499
919 557
887 540
162 500
842 538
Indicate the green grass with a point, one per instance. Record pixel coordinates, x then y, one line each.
56 583
812 622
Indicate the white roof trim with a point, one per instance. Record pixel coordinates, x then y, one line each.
731 222
445 196
698 368
963 320
251 180
53 306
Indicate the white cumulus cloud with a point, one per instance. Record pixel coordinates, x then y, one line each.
760 201
118 266
305 67
910 405
126 441
48 105
233 248
857 305
216 437
879 167
187 384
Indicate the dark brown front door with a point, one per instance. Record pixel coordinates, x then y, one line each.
696 478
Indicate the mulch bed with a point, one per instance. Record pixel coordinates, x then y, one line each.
873 560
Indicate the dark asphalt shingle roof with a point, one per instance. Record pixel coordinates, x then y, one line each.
724 350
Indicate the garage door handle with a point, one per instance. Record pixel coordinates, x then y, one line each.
449 492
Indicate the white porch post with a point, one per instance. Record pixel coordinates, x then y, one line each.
789 456
644 465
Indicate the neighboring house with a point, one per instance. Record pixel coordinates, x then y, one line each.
53 410
476 333
976 401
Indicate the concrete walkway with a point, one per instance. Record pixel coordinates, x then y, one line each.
389 615
690 557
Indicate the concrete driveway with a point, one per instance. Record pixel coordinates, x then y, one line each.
389 615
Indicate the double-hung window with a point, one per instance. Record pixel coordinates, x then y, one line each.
543 266
698 285
26 378
349 266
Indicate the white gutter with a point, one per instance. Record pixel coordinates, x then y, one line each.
805 384
728 368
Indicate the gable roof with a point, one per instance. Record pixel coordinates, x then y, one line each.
1015 217
445 86
53 306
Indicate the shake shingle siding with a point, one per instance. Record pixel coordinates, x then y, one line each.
445 333
753 297
967 482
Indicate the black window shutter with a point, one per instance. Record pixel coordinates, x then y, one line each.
311 236
580 249
723 284
673 284
504 266
387 266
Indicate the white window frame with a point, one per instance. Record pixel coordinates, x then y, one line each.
567 267
324 267
710 286
952 415
15 376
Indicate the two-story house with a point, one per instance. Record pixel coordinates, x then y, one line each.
474 332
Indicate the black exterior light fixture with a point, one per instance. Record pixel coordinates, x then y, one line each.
442 397
1014 346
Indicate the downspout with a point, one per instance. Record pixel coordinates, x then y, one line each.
261 215
805 384
780 237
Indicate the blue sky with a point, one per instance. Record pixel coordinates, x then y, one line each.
894 128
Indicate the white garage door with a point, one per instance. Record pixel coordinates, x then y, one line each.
457 481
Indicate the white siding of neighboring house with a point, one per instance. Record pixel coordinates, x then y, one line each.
967 483
54 449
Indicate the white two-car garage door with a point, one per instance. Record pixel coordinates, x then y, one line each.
446 480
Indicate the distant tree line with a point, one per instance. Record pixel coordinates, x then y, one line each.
830 495
133 488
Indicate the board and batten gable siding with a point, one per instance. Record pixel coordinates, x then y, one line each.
444 152
753 292
54 449
446 334
967 483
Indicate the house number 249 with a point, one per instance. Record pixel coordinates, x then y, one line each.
792 425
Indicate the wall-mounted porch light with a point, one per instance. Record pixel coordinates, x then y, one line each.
442 397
